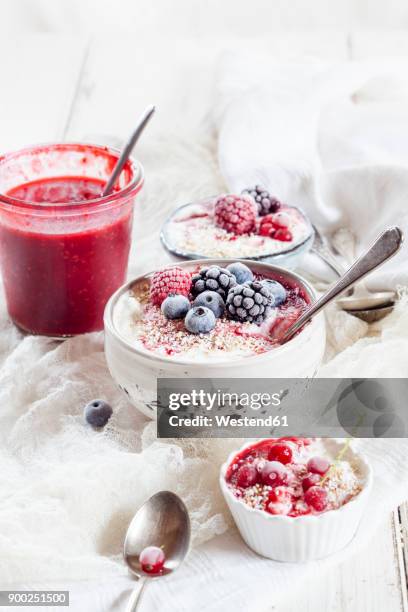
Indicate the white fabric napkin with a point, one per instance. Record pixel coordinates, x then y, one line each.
329 137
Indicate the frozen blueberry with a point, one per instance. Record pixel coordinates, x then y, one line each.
175 307
97 413
212 300
200 320
241 272
277 290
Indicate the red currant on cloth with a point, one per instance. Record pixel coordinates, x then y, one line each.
235 214
169 281
281 452
152 560
316 498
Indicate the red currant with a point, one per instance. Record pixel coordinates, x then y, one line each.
281 452
247 476
282 234
310 480
316 498
152 560
273 473
318 465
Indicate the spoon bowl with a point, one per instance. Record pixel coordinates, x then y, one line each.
162 521
365 300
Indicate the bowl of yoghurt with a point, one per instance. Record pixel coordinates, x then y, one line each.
230 226
297 499
209 319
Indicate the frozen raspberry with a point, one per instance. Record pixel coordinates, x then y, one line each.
273 228
316 498
152 559
274 474
281 452
310 480
318 465
235 214
169 281
247 476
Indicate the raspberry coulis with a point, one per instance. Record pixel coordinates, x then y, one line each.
274 476
57 284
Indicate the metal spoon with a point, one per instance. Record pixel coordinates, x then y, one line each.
367 305
386 245
143 121
323 249
162 521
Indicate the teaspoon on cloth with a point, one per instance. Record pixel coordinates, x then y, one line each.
163 522
386 245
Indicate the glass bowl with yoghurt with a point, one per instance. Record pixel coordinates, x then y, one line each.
192 232
142 344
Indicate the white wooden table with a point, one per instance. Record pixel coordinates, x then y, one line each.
61 87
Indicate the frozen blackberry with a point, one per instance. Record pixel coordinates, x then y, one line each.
213 279
265 201
250 303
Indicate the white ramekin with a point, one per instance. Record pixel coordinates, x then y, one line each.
136 370
303 538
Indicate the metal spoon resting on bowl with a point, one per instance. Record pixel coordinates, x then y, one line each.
386 245
370 306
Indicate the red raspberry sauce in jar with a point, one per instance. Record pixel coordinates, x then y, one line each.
57 284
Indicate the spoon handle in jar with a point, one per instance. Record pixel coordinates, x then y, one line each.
135 595
384 247
143 121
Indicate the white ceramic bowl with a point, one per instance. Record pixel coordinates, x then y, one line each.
136 370
303 538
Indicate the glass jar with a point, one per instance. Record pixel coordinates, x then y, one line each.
64 249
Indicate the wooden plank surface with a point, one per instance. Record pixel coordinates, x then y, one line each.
368 582
39 76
